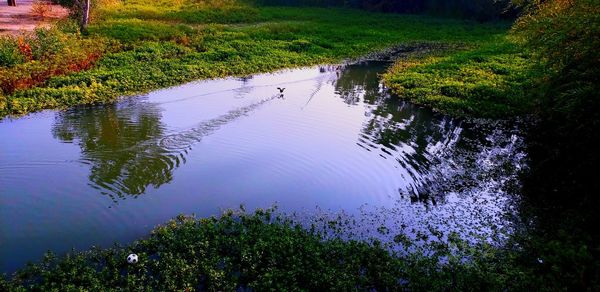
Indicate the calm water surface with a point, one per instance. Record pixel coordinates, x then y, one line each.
335 139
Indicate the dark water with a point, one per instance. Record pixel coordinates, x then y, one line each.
335 139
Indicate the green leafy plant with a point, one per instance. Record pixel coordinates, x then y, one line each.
491 79
9 52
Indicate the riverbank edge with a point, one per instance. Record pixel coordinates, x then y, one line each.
10 106
490 80
403 52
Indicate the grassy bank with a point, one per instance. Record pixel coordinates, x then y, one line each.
140 46
263 251
491 80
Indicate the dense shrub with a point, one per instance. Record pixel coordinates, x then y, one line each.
45 53
40 8
562 188
10 54
564 37
3 104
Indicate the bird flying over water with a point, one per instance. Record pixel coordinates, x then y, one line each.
281 89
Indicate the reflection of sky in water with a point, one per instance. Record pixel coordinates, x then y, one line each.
334 140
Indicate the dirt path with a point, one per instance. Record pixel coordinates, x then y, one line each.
14 20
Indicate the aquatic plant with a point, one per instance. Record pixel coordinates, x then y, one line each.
491 80
267 250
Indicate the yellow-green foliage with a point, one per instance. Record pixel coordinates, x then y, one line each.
186 11
487 80
565 36
562 32
3 104
133 29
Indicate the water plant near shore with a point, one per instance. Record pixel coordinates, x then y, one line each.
267 250
492 80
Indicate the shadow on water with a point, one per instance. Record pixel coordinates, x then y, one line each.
440 154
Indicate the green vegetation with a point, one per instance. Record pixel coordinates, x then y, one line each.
138 47
490 80
562 187
31 60
549 66
265 251
189 12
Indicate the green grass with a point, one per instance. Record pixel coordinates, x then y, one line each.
151 48
492 80
191 12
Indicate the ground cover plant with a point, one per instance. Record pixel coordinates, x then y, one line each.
490 80
265 251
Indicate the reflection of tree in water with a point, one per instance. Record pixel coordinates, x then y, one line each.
360 81
440 154
115 141
128 147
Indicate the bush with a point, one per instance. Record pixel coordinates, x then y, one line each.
564 34
3 104
562 189
41 8
9 52
46 53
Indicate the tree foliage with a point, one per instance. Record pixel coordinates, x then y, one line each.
471 9
565 37
562 187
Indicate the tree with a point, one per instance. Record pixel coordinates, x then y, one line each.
85 11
